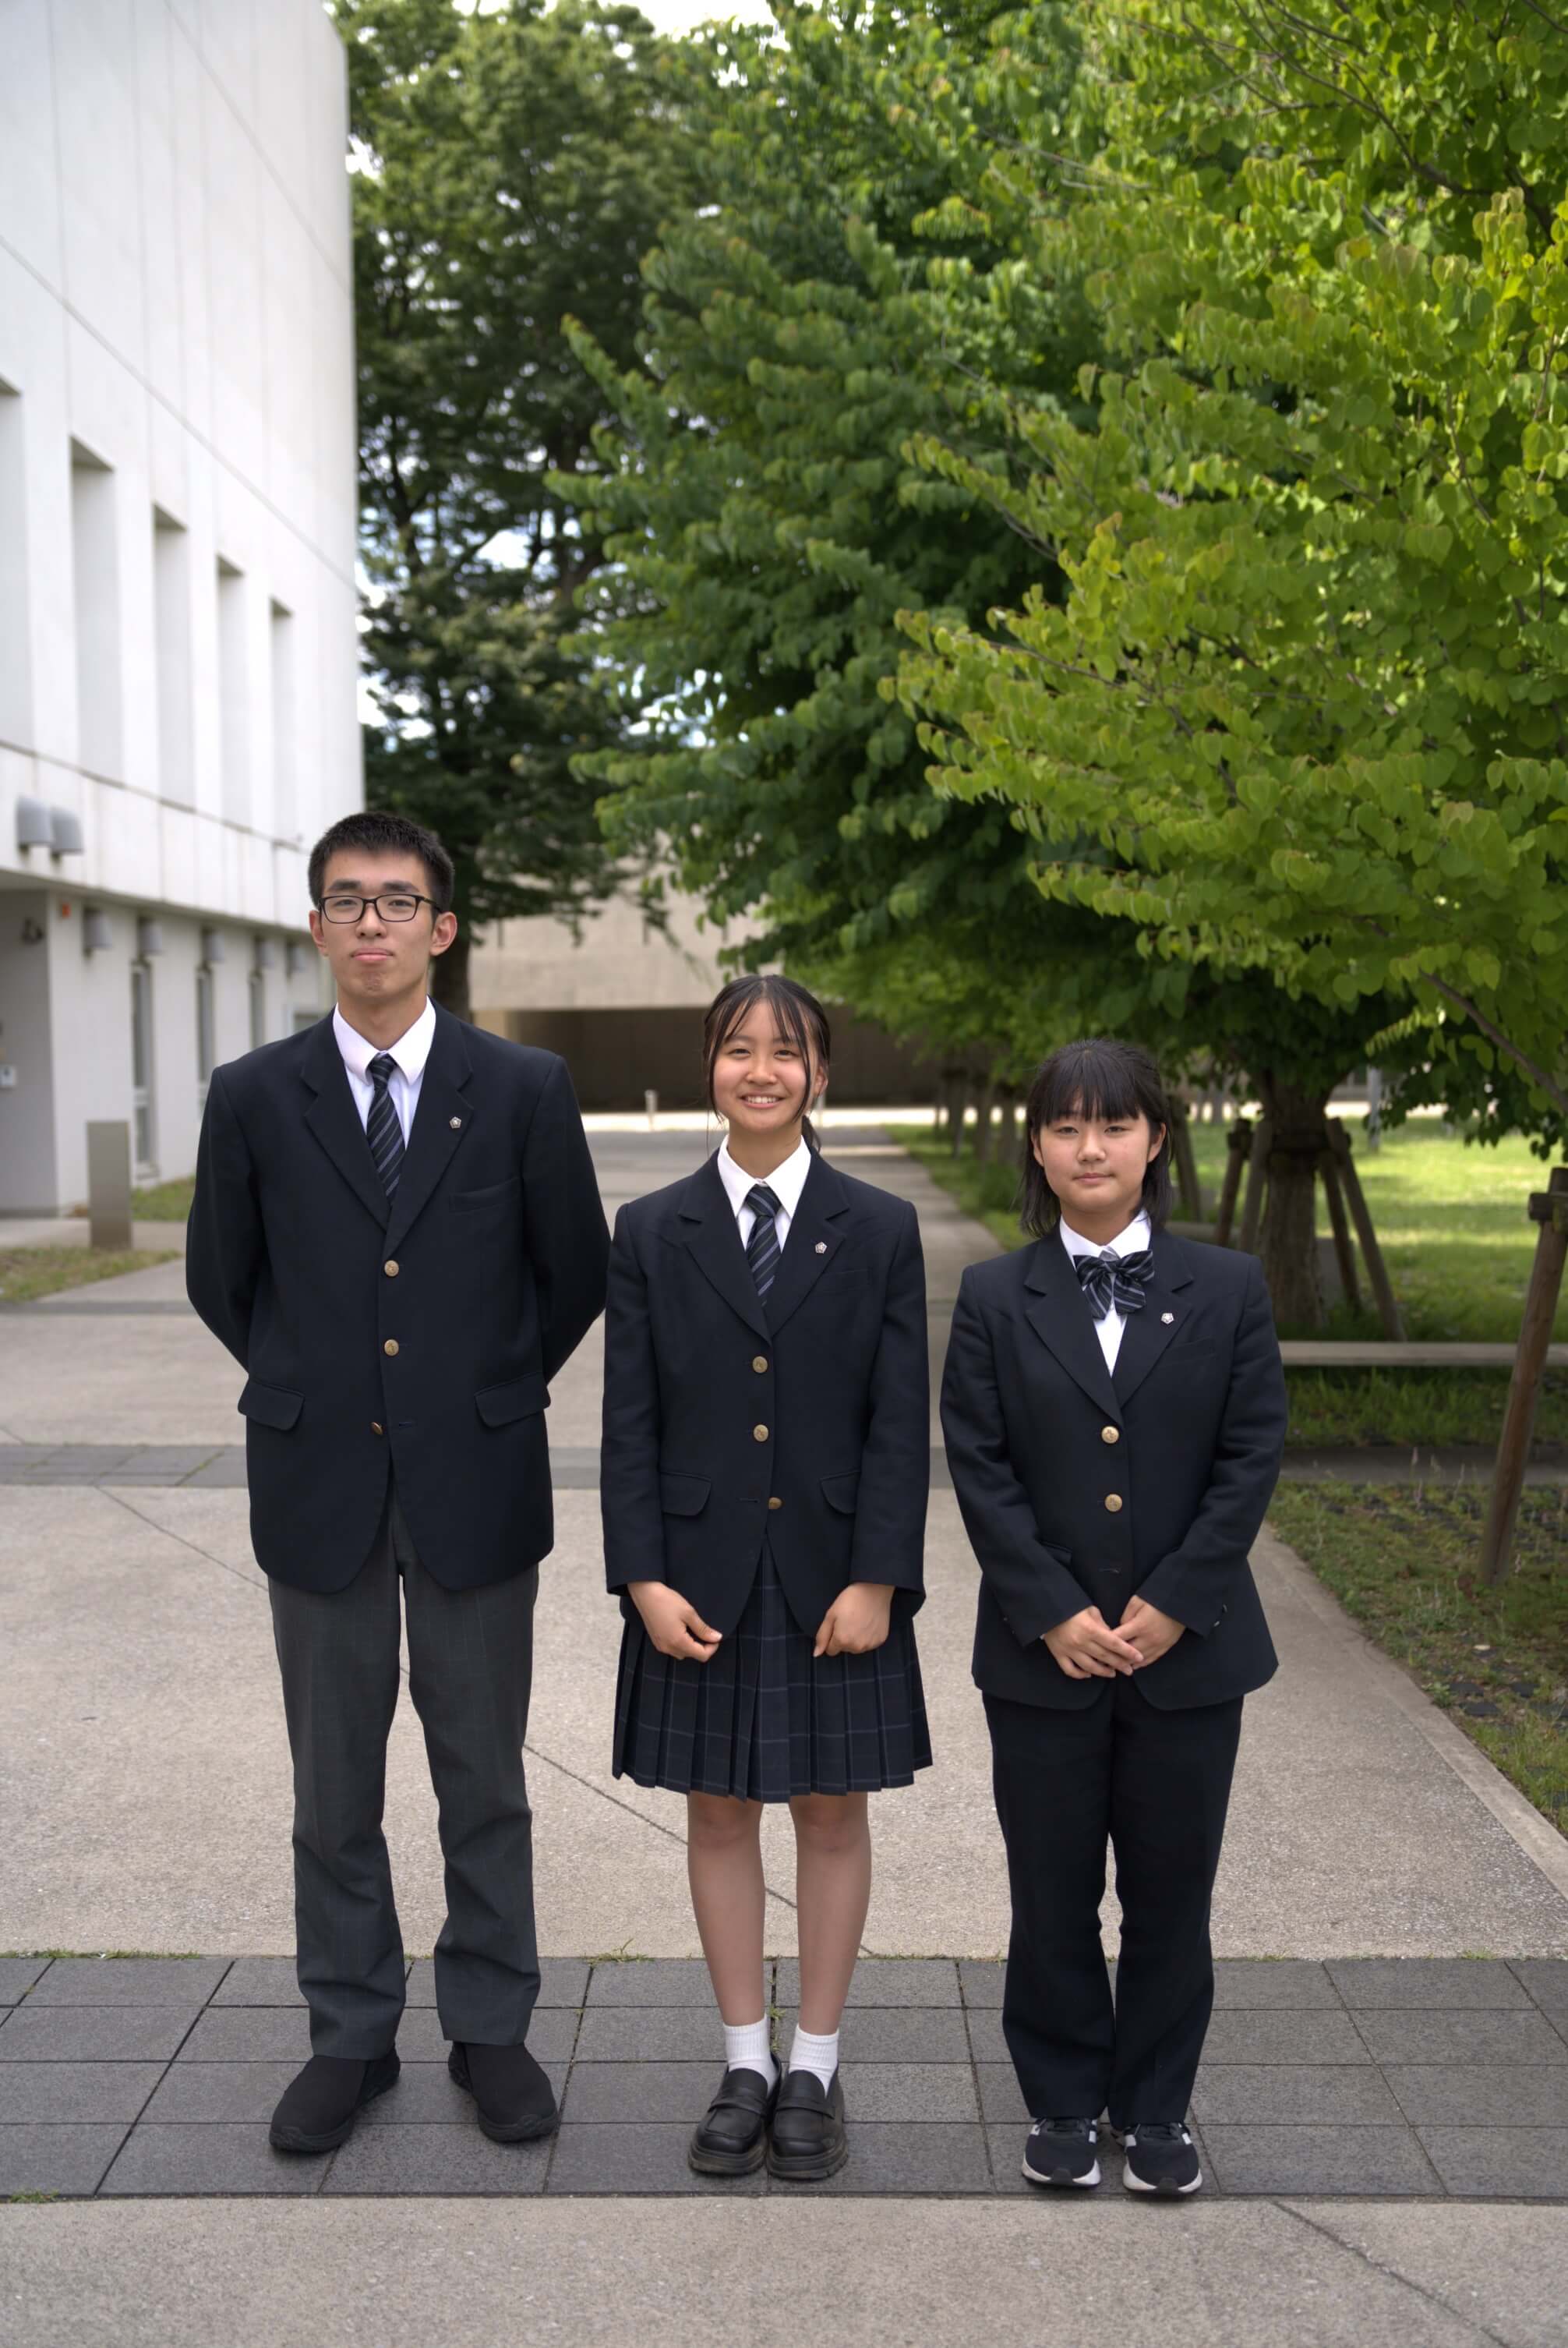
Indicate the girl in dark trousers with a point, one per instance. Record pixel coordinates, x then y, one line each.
765 1471
1114 1412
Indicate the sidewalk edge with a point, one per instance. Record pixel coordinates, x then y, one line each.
1540 1841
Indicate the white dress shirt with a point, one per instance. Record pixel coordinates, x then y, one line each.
411 1051
786 1182
1136 1236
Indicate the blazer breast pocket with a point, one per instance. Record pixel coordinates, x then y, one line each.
1180 1356
495 1194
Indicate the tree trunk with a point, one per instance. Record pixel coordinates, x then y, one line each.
985 1102
449 977
1288 1244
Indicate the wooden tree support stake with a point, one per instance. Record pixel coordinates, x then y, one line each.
1238 1141
1185 1163
1344 1253
1371 1253
1549 1208
1257 1180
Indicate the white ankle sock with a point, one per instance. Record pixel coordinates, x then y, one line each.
747 2048
808 2051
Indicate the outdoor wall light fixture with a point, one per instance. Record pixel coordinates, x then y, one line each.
98 932
35 827
66 827
211 947
148 938
294 957
266 954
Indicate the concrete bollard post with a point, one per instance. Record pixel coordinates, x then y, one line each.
650 1103
109 1185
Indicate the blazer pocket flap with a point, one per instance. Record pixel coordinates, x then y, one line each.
520 1398
840 1492
683 1496
492 1192
271 1406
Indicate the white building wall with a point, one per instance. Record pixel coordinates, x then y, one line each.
177 513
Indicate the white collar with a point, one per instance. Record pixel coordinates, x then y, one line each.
411 1050
786 1181
1138 1235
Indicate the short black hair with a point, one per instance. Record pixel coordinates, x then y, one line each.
1098 1077
381 833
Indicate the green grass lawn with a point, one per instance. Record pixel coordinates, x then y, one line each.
164 1202
1404 1562
27 1272
1459 1246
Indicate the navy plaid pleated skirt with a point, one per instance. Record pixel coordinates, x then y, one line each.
764 1718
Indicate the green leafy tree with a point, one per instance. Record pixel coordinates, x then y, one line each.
1303 710
515 164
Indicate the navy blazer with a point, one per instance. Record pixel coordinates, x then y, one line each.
805 1420
1078 1487
415 1336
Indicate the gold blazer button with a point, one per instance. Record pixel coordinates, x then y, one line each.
776 1504
1111 1434
390 1267
389 1346
759 1434
759 1363
1113 1501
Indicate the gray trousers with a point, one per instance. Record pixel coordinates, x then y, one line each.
470 1663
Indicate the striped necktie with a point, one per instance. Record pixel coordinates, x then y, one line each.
762 1247
382 1126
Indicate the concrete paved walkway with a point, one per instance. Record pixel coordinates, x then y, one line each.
146 1809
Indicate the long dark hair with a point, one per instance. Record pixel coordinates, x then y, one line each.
800 1016
1099 1078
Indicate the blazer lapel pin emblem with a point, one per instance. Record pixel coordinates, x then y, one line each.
1167 1318
822 1247
456 1121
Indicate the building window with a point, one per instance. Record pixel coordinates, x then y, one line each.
95 586
285 744
258 1010
171 619
16 681
142 1127
233 694
206 1051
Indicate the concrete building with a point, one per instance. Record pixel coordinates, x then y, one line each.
177 647
623 1006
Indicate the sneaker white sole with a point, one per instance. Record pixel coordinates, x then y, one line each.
1035 2178
1166 2185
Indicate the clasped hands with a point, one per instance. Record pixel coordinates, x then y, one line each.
854 1623
1087 1648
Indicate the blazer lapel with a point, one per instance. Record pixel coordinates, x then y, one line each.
333 1119
816 1236
1058 1312
441 1123
713 1237
1146 1335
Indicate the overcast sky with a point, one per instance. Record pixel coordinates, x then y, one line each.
680 16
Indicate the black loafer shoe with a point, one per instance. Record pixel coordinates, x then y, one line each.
318 2107
732 2138
808 2142
515 2100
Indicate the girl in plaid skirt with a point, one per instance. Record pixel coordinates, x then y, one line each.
763 1479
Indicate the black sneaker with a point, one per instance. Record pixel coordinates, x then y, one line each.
1161 2159
1061 2152
321 2103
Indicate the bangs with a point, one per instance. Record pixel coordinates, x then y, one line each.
779 997
1087 1080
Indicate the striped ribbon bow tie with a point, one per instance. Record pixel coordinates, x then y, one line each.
1112 1279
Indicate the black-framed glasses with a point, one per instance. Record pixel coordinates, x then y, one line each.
391 905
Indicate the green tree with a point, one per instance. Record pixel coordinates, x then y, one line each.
1304 708
515 165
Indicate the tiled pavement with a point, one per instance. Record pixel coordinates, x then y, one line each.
1374 2077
